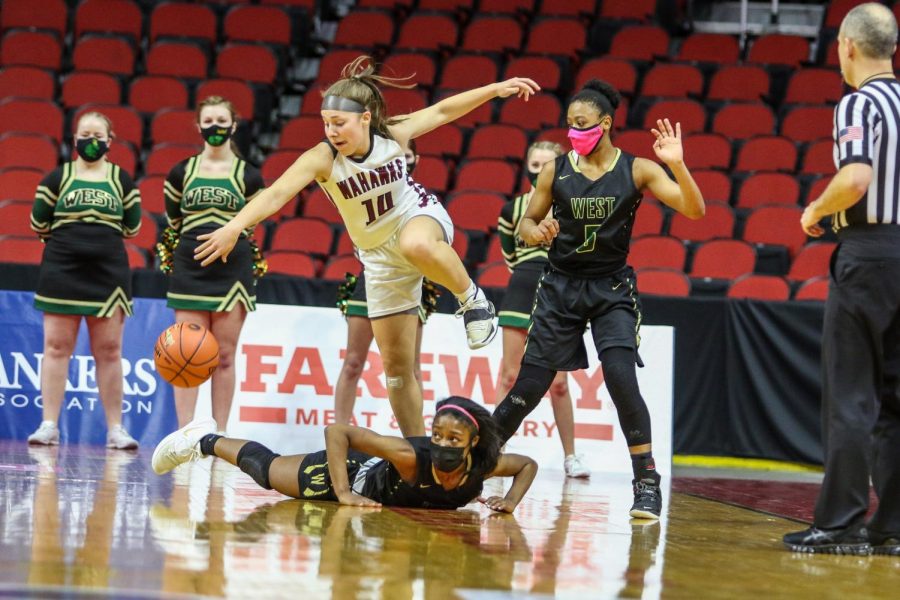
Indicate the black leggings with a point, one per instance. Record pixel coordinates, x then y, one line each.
621 379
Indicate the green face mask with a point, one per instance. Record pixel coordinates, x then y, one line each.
216 135
91 149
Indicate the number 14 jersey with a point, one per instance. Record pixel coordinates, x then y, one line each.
374 194
595 217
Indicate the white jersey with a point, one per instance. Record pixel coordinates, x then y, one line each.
374 194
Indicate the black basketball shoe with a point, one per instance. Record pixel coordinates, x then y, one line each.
647 499
849 540
887 544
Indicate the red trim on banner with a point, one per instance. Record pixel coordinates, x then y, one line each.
263 414
590 431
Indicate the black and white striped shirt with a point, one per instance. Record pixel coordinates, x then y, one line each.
867 130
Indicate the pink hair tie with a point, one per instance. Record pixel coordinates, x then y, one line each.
463 411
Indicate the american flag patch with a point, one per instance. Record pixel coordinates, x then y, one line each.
848 134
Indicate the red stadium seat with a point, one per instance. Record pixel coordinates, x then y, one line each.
301 133
673 81
108 54
645 42
152 93
494 251
288 211
776 225
22 14
344 244
443 141
498 141
815 190
29 115
812 261
420 68
297 264
708 151
468 71
475 211
813 86
152 199
813 289
633 10
541 111
819 158
663 282
177 59
27 82
276 164
637 142
148 235
162 158
460 242
333 64
711 48
252 63
556 37
401 102
19 183
648 220
462 6
507 7
21 250
723 259
760 287
570 8
81 88
120 17
319 206
767 153
238 92
493 34
837 10
620 73
432 173
127 123
183 20
137 257
657 251
831 55
174 127
764 189
15 218
303 235
715 185
31 48
494 275
337 267
543 69
718 222
779 49
123 154
427 32
689 113
744 83
365 29
808 123
487 175
560 135
28 151
265 24
743 121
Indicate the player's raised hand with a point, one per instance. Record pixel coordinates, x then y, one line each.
520 86
216 244
668 146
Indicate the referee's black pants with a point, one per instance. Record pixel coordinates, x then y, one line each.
861 381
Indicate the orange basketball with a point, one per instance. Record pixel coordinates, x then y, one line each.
186 354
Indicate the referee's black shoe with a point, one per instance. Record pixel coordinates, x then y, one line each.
848 540
647 499
887 544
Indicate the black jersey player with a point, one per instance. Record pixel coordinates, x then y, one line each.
594 193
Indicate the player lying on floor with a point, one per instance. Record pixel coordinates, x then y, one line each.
362 468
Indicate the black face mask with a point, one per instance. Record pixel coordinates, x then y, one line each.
532 177
216 135
447 458
91 149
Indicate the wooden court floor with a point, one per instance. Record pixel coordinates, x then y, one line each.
79 522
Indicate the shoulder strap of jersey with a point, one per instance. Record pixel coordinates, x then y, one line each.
237 175
114 179
68 176
191 171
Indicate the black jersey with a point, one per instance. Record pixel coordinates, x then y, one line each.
595 217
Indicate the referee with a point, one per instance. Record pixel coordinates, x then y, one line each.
861 337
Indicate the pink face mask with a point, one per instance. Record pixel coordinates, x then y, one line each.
584 141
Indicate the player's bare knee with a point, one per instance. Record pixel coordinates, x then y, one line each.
107 351
58 347
416 248
226 359
559 389
353 366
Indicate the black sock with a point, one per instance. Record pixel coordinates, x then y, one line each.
207 443
644 468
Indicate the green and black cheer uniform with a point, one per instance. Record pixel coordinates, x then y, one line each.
588 280
527 266
84 270
377 479
197 204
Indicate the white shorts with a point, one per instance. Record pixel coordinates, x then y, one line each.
393 284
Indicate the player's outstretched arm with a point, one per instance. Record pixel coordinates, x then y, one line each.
536 227
682 194
523 470
449 109
312 164
340 438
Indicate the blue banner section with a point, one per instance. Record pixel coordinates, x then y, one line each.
148 406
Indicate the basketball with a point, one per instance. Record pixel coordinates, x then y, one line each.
186 354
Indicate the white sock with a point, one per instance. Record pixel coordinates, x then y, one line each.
468 294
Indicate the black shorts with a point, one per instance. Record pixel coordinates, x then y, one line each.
565 305
518 301
314 478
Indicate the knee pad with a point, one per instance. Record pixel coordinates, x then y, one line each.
254 459
531 385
